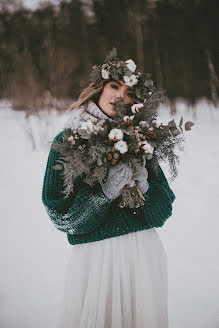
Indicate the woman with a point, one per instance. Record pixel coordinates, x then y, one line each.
117 273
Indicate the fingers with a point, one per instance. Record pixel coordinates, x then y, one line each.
143 186
142 174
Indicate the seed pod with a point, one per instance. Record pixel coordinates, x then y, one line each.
99 161
115 155
114 161
109 156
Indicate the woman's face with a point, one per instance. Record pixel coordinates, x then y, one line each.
111 91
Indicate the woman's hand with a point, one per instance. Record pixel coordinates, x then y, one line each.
140 175
118 176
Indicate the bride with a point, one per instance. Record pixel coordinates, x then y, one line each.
117 271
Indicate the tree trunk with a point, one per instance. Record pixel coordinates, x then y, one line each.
214 82
139 36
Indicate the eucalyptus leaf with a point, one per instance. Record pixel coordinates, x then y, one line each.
83 133
130 129
153 143
181 122
137 92
171 124
57 167
148 83
188 125
175 132
86 136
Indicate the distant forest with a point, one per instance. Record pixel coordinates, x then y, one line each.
53 48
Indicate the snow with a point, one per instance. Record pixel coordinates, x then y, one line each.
34 254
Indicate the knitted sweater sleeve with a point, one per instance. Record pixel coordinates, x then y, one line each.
158 199
83 211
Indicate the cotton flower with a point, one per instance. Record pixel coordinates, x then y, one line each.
144 124
88 126
131 65
121 146
128 118
148 149
70 138
130 81
157 123
136 107
115 134
105 74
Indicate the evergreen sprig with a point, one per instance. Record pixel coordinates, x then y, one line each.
94 146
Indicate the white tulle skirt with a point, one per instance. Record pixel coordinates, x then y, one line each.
118 282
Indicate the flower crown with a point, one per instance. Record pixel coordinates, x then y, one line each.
127 71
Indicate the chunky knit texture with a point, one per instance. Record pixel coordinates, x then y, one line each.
87 215
79 115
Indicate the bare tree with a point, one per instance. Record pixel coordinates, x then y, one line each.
10 5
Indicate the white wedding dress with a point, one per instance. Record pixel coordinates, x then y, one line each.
119 282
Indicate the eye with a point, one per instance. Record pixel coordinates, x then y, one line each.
114 86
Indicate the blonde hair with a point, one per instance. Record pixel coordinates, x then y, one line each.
92 91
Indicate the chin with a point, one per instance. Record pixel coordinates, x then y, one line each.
112 114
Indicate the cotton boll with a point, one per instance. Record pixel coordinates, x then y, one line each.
148 149
105 74
116 134
130 81
131 65
126 118
70 138
121 146
136 107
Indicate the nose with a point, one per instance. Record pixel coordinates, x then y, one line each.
120 99
120 95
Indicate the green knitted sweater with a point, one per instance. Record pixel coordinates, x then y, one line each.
87 215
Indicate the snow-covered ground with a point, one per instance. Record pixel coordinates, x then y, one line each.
34 254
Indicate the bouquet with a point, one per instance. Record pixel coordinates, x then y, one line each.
134 136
